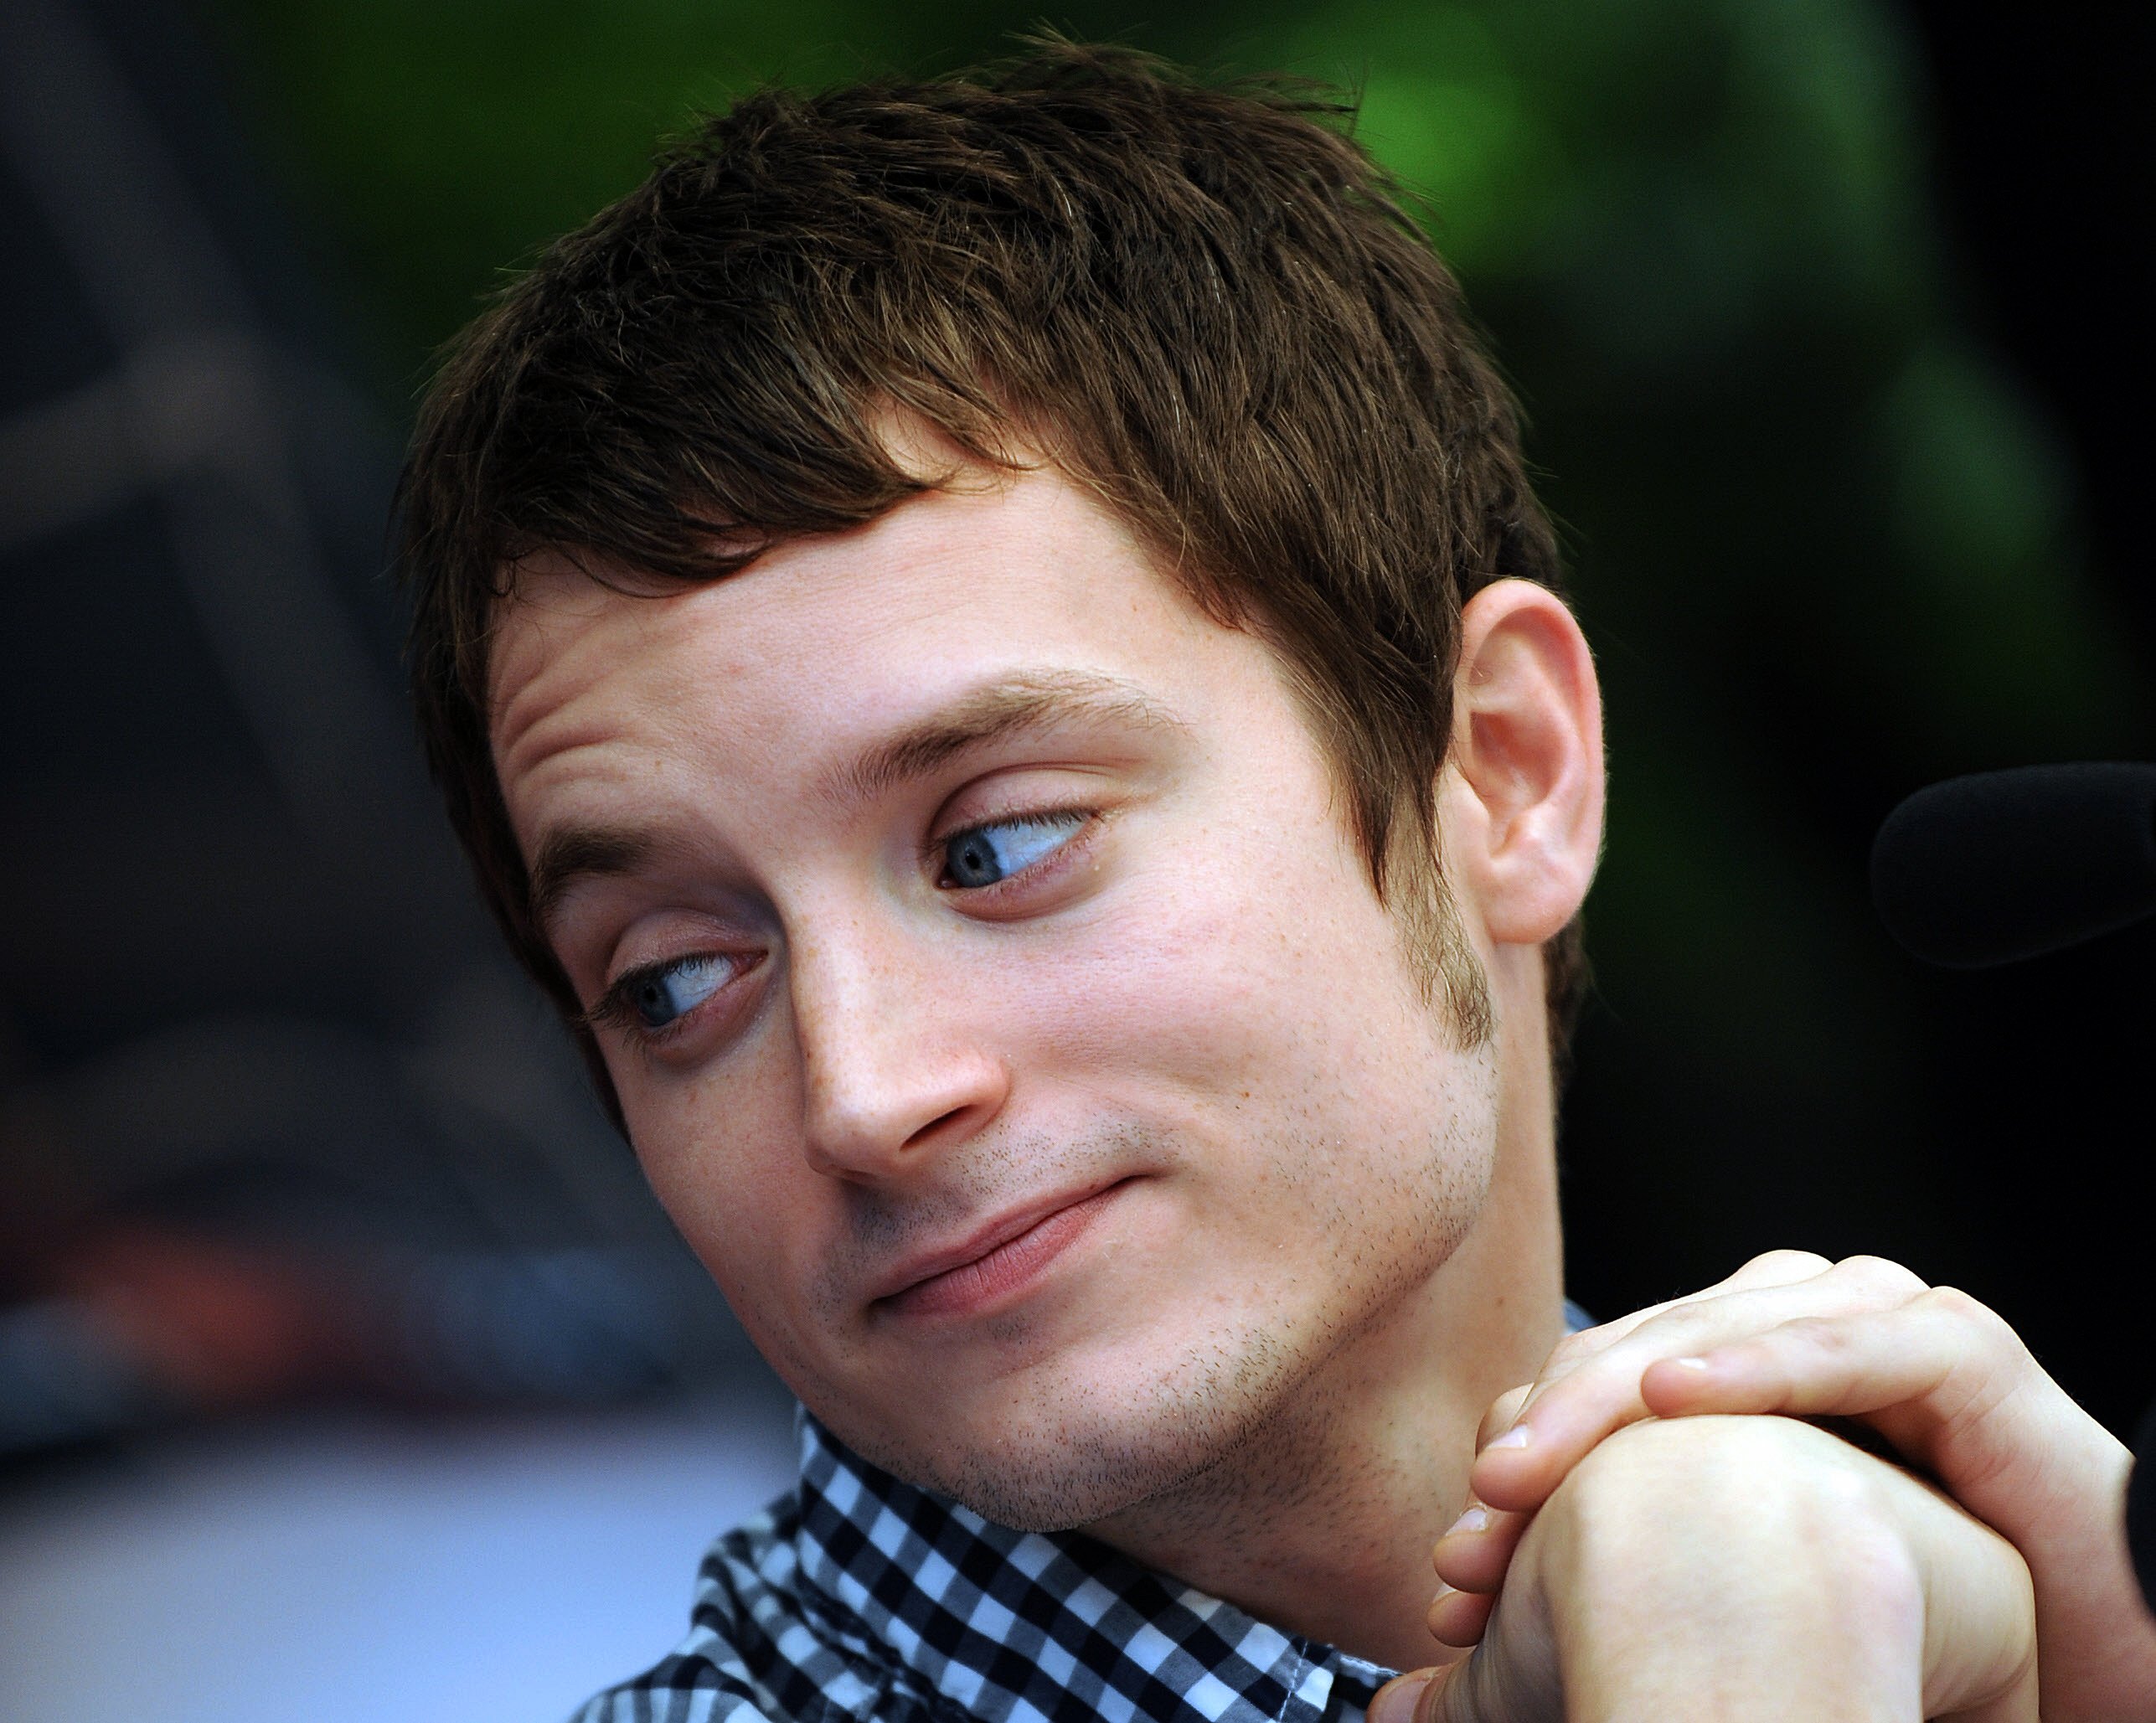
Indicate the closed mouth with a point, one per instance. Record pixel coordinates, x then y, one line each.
996 1260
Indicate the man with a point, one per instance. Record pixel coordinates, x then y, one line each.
992 649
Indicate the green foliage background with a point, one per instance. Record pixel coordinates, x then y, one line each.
1825 549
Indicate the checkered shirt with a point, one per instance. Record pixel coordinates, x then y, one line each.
855 1596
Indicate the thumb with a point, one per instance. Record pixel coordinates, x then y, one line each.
1473 1691
1400 1699
1513 1676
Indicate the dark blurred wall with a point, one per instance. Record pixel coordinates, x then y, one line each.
276 1116
1986 1128
2004 1139
1822 311
2043 162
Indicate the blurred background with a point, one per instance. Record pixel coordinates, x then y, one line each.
346 1369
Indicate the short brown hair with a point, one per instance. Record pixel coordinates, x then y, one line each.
1204 302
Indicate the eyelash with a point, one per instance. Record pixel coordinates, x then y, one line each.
1086 821
615 1011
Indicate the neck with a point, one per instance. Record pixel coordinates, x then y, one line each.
1321 1521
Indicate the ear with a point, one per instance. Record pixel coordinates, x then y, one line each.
1524 795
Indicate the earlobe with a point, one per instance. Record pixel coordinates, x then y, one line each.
1527 758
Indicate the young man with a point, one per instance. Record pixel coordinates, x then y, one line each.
991 646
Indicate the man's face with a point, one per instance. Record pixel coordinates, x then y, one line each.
995 996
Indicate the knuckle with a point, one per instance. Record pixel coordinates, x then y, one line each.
1760 1482
1676 1323
1757 1518
1502 1411
1877 1278
1832 1338
1990 1331
1990 1362
1790 1264
1964 1306
1675 1443
1641 1469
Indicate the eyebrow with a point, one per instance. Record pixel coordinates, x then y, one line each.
569 856
998 712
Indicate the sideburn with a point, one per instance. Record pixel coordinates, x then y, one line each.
1451 976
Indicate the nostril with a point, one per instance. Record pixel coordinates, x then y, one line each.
881 1107
943 1124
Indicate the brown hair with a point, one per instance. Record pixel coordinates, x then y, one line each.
1206 303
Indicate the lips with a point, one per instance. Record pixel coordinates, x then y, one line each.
994 1261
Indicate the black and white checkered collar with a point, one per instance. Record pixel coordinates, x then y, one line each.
1041 1628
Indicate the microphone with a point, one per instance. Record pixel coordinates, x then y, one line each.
2141 1510
2002 866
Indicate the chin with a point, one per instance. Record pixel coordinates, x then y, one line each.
1069 1448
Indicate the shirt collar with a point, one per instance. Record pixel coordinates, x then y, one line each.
1032 1626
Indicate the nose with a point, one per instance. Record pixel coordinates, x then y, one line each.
895 1068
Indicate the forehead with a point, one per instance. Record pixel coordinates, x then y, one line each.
824 643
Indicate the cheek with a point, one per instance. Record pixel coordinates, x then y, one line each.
728 1169
1330 1148
1264 974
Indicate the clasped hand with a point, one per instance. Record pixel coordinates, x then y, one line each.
1642 1542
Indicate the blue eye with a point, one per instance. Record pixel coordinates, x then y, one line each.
658 997
986 855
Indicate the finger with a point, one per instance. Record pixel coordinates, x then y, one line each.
1954 1389
1400 1700
1770 1268
1460 1691
1979 1613
1760 1563
1458 1618
1511 1676
1457 1693
1503 1410
1922 1373
1562 1419
1768 1290
1774 1268
1473 1554
1811 1367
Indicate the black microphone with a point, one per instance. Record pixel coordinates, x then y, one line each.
2003 865
2141 1510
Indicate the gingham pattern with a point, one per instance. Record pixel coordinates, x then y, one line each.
857 1596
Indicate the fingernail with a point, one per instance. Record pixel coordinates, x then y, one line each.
1395 1701
1474 1519
1690 1364
1518 1437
